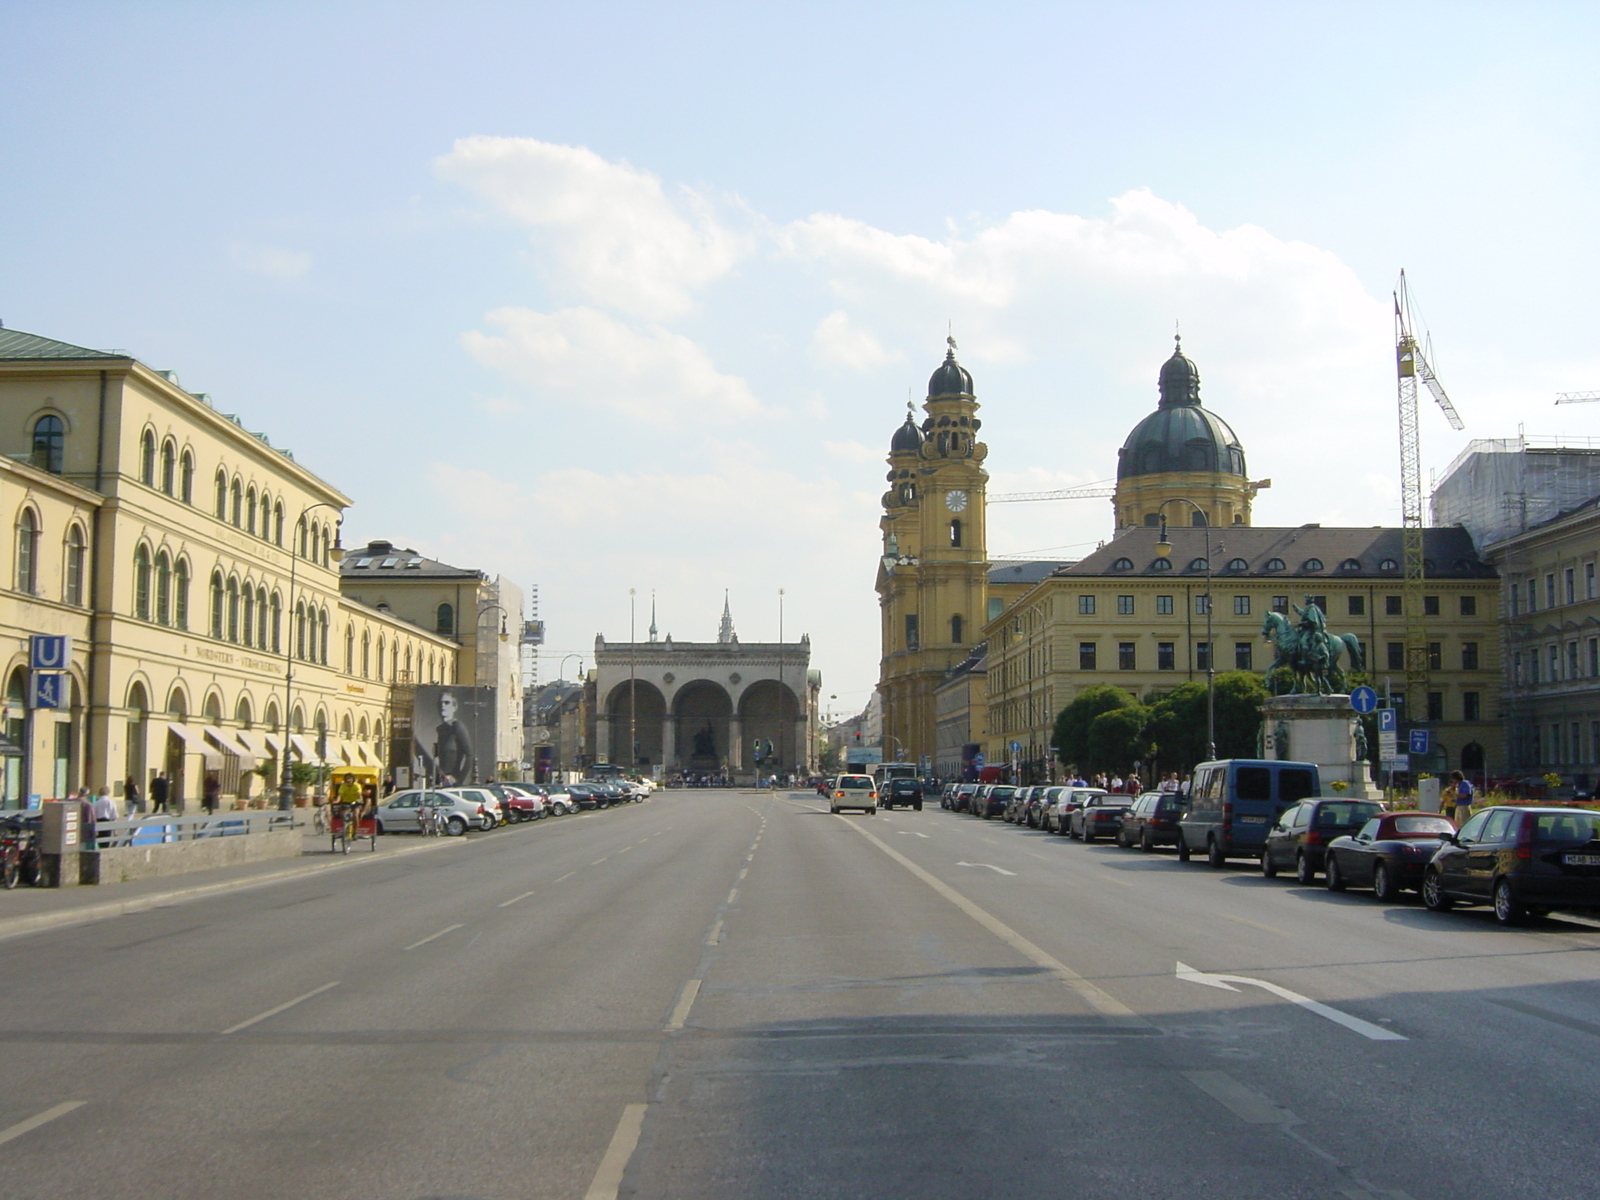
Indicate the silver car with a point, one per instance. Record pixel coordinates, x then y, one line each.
398 813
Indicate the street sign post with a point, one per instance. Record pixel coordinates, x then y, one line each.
49 652
46 689
1420 741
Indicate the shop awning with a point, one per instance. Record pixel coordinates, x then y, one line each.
304 747
363 755
194 742
233 744
259 743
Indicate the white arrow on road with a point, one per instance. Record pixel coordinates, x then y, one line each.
991 866
1225 982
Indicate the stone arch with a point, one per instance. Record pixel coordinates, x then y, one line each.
212 709
699 708
768 711
645 715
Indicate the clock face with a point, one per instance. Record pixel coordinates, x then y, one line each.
955 501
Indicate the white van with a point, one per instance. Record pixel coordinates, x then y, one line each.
853 791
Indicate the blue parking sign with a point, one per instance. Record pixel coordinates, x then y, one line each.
1420 741
47 689
1386 720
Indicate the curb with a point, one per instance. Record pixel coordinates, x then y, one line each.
87 914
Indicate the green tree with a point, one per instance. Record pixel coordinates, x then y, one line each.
1178 720
1116 739
1072 723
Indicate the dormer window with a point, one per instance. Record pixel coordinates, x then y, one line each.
1122 564
1350 564
1388 564
1311 564
1161 564
1237 564
1273 564
1199 564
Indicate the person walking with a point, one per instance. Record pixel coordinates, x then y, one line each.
160 791
131 797
1461 794
212 796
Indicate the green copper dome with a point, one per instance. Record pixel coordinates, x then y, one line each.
1180 435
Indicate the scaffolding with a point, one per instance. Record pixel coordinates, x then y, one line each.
1499 487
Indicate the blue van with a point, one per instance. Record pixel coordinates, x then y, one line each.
1235 801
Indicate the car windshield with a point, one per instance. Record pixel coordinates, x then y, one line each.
1574 827
854 781
1422 826
1346 814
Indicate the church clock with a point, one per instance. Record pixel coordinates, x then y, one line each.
955 500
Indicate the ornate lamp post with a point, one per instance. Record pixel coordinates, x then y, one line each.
286 783
1164 549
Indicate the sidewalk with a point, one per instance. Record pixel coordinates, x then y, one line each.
28 909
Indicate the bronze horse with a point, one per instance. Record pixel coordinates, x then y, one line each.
1309 651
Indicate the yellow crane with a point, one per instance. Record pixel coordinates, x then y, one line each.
1411 364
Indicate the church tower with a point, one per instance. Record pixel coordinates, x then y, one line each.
1182 452
933 574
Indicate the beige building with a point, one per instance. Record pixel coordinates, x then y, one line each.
961 713
195 567
1130 617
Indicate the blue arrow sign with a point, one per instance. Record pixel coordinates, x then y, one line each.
1363 699
1419 741
1386 720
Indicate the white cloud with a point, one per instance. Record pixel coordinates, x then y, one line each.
593 359
837 341
270 261
612 232
852 452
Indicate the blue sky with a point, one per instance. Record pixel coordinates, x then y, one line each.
605 296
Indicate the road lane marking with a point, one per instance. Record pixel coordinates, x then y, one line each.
513 900
44 1118
431 936
991 867
908 833
1366 1029
731 896
568 875
625 849
680 1011
715 935
598 861
744 872
608 1176
272 1012
1094 996
1249 1105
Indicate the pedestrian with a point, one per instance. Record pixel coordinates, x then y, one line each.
388 785
1116 783
160 789
131 798
1134 785
212 796
1461 793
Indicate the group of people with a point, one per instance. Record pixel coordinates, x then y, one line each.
1132 785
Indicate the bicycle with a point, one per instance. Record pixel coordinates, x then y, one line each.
19 853
430 821
343 826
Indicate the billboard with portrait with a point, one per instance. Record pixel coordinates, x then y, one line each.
453 734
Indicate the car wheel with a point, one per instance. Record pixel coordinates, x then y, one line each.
1333 877
1183 849
1087 835
917 807
1146 842
873 811
456 826
1433 897
1508 910
1269 869
378 825
1383 885
1303 870
1214 856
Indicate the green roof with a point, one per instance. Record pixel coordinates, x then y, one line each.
16 345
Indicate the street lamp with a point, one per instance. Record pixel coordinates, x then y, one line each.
563 671
286 782
1164 549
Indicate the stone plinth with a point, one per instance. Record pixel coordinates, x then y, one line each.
1321 730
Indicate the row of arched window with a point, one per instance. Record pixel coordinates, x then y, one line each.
160 587
166 469
28 577
244 713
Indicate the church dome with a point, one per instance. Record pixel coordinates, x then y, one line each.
1180 435
907 439
951 379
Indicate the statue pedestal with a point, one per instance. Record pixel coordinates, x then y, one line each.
1321 730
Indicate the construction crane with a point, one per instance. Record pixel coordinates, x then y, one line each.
1411 364
1089 491
1576 397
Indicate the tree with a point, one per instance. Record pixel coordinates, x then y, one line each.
1178 720
1116 739
1073 722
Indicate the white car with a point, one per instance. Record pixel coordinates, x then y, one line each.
853 791
558 801
398 813
493 813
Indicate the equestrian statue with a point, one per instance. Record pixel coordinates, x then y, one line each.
1309 652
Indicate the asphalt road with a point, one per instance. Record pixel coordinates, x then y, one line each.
729 995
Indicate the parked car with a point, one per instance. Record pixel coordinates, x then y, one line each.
398 813
558 800
1151 821
1040 799
853 791
491 811
1389 854
1299 839
962 799
520 803
1233 802
1098 816
1523 861
587 796
1061 809
902 791
1017 805
991 800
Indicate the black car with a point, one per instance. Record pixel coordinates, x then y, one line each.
1521 860
992 801
902 791
1098 816
1301 836
1389 854
961 799
1152 821
1039 799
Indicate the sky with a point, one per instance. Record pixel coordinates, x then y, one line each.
612 296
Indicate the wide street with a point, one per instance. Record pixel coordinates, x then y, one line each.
721 995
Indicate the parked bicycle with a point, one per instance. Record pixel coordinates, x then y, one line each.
19 851
430 820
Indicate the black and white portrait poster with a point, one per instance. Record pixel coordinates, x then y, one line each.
452 733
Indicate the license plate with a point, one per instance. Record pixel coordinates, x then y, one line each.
1252 820
1581 860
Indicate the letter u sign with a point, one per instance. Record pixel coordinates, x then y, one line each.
50 652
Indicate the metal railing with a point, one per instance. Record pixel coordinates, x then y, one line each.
163 830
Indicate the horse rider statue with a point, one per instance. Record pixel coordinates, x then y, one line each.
1309 652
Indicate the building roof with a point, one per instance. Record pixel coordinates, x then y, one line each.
908 438
1308 554
1025 571
380 560
951 379
17 346
1180 435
